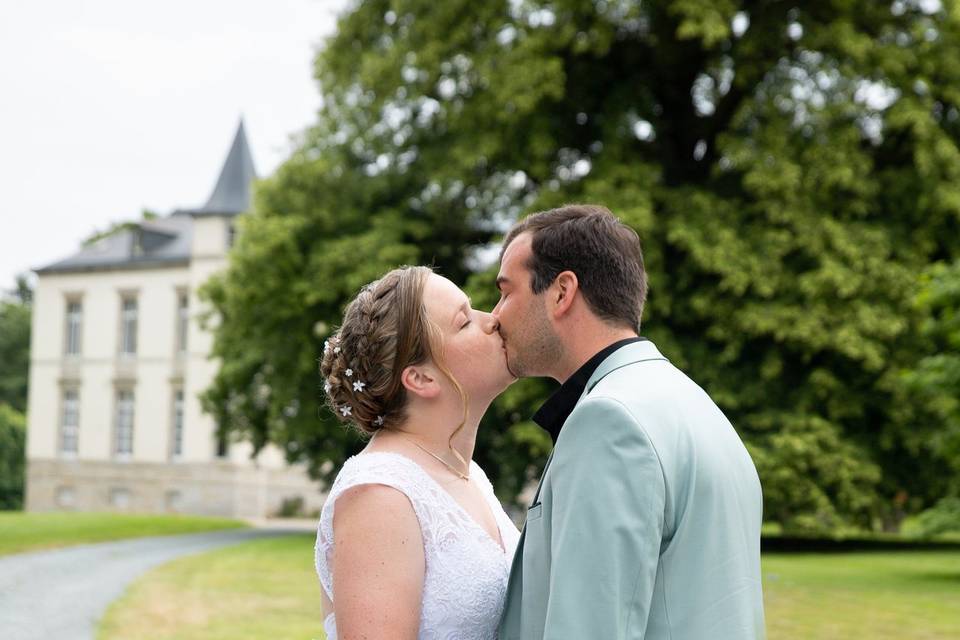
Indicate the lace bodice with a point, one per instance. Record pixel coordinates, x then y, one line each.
465 583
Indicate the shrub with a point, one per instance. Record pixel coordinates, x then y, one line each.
291 507
12 441
943 517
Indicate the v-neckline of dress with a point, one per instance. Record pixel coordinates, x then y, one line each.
501 545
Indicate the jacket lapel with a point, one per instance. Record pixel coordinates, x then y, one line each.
630 354
536 496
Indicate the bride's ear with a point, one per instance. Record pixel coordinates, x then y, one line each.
421 381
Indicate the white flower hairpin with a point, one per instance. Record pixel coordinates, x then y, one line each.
346 410
358 386
349 373
326 386
336 344
378 421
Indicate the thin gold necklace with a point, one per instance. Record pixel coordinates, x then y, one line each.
452 468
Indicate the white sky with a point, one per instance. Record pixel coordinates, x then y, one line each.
108 107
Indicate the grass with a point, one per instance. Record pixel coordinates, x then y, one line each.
876 595
21 531
261 589
267 589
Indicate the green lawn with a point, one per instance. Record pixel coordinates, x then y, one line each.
267 589
877 595
262 589
21 531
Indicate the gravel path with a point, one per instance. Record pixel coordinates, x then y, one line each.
61 594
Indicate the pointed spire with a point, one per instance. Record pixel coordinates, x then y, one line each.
232 193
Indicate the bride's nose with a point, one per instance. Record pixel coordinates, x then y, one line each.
489 322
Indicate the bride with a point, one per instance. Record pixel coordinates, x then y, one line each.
412 541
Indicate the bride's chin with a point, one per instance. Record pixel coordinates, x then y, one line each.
499 378
507 378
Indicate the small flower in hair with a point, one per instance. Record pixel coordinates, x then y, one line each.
336 349
358 386
326 386
378 421
346 410
348 372
326 346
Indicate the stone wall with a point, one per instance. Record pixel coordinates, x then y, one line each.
214 488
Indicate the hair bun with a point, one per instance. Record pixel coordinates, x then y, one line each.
383 325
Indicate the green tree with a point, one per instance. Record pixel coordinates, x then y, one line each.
936 377
116 227
12 443
790 167
15 345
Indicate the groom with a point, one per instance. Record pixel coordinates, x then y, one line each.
646 523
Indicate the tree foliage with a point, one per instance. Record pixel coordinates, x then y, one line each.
936 377
791 169
118 227
12 449
15 345
15 308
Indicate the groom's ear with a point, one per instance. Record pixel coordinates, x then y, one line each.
563 292
421 381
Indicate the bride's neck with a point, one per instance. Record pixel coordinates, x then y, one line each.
433 427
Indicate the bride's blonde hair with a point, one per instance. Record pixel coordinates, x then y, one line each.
385 329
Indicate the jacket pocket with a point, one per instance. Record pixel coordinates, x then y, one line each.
534 512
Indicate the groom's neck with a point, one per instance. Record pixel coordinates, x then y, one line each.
579 347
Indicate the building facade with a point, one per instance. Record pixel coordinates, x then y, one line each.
117 360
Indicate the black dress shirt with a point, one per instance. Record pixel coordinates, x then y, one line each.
558 407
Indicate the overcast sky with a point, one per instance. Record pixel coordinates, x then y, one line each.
108 107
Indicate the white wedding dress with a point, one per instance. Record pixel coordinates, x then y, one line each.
466 570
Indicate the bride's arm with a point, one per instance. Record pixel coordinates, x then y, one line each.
378 564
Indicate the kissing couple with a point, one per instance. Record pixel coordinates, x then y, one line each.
646 521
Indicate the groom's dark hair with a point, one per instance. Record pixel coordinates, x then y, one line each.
594 244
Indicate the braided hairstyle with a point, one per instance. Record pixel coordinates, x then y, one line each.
385 329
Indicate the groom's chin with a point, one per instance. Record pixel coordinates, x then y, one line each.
507 374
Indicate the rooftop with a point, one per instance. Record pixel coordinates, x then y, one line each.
166 241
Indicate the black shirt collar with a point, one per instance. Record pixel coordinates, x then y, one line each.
558 407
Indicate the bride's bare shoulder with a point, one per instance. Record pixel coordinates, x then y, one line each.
371 500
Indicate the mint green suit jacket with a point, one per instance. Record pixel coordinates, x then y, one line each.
647 520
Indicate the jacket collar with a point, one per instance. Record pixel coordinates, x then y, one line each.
630 354
555 411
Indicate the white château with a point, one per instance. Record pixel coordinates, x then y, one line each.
117 361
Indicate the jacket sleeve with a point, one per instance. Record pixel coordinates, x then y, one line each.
607 520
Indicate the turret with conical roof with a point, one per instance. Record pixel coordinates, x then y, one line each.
231 195
168 241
